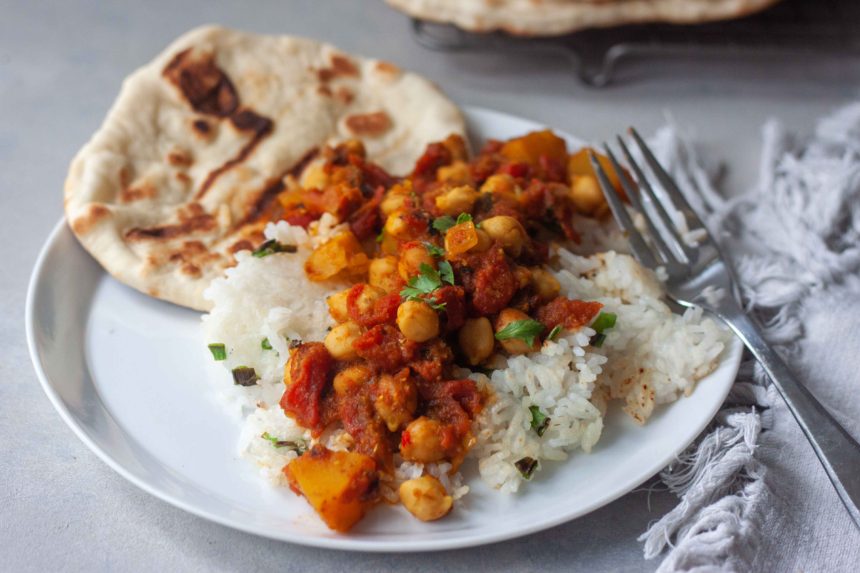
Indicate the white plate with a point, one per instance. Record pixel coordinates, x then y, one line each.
128 374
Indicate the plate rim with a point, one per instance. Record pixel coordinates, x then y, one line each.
732 357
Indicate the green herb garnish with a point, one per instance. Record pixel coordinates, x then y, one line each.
526 466
298 447
604 321
526 330
427 282
434 250
540 421
442 224
381 236
464 218
265 344
446 272
244 376
553 334
271 247
218 350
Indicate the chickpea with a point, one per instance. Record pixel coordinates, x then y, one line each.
484 242
507 231
586 195
546 285
396 225
411 258
315 177
339 340
476 339
514 345
337 307
457 200
417 321
423 441
393 201
337 303
501 184
523 276
396 400
456 173
425 498
368 297
382 274
349 379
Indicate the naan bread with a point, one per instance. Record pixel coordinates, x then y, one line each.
201 139
554 17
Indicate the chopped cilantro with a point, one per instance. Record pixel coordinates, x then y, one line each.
526 330
464 218
553 334
434 250
427 282
265 344
446 272
442 224
298 447
381 236
245 376
526 466
604 321
540 421
271 247
218 350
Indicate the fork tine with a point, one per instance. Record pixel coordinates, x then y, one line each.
637 242
646 188
630 189
667 182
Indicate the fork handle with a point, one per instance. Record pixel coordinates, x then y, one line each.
837 451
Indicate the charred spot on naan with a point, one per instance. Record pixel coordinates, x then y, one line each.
191 256
179 157
203 129
368 124
259 208
386 70
85 223
192 219
341 66
131 193
206 87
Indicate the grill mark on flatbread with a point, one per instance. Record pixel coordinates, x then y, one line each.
206 87
340 66
193 221
369 124
271 191
245 120
95 213
210 91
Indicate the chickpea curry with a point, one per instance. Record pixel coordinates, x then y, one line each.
449 269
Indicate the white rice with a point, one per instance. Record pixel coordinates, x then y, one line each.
650 357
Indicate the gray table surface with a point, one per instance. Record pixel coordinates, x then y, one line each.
61 64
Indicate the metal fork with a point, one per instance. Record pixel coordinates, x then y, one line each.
694 271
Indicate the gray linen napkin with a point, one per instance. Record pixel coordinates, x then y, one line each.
753 496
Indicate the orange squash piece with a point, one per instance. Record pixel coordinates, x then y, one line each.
340 486
530 147
341 253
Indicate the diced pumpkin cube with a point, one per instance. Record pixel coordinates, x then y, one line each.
579 164
460 238
530 147
340 486
341 253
